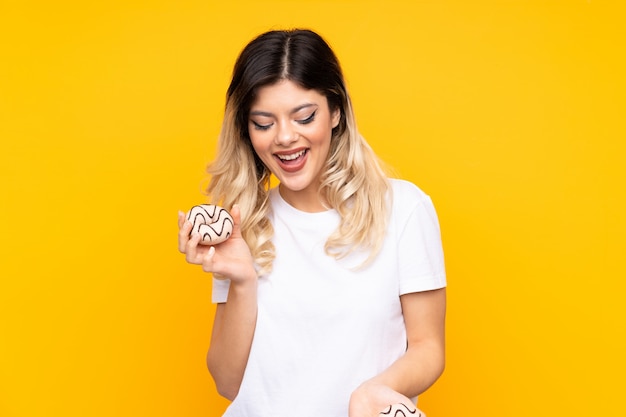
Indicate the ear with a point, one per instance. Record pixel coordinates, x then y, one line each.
336 117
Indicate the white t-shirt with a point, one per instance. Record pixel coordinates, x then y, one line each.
324 327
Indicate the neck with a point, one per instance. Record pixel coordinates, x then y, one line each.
308 201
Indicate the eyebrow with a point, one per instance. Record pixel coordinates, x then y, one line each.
294 110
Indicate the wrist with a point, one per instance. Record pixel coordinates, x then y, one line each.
245 283
374 383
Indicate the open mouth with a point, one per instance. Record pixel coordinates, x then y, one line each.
294 161
291 157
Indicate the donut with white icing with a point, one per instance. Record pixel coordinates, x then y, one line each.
399 410
212 222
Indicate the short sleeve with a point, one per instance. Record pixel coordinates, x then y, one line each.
220 290
420 252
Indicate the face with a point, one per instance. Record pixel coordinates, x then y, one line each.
290 129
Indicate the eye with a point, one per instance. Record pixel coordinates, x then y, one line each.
308 119
258 126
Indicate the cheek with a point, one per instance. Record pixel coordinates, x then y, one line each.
260 148
257 142
322 136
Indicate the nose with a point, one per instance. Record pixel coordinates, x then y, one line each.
285 134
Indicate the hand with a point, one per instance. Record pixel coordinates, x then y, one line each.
370 399
230 259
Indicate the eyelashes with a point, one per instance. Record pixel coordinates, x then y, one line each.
305 121
308 119
258 126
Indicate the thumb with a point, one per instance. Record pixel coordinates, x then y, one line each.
235 212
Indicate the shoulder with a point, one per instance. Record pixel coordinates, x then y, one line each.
409 200
405 192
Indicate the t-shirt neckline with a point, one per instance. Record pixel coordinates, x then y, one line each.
296 214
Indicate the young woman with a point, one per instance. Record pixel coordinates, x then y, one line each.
331 290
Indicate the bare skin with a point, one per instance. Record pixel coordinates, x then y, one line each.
235 320
421 365
290 130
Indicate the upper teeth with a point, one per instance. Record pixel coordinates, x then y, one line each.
292 156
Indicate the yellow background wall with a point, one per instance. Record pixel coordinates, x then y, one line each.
509 113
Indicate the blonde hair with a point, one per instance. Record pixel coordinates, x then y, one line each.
353 182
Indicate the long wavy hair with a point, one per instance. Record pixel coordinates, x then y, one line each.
353 180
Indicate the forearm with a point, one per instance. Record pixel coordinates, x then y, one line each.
424 359
416 370
233 330
407 377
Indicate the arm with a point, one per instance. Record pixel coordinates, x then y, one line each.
235 320
419 367
233 330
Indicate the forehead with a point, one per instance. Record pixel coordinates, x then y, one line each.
286 95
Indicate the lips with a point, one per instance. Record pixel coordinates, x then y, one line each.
292 161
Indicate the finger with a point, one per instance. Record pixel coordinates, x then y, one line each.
191 249
235 212
181 219
183 235
207 261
